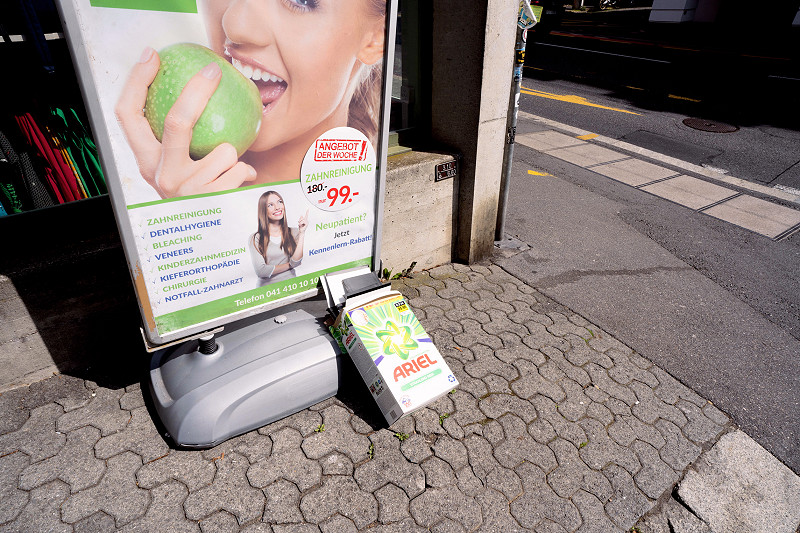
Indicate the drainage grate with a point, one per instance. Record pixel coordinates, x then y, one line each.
709 125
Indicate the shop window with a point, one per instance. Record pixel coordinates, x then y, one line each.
47 153
408 120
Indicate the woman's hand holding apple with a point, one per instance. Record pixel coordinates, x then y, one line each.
166 165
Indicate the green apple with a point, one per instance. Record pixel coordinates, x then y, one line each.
232 115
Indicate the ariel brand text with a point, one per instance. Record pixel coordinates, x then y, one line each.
412 367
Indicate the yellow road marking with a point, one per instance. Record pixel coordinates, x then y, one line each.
534 173
587 136
572 99
676 97
634 88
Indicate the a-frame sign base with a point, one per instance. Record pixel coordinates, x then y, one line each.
260 372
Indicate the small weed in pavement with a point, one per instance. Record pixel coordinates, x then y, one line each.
387 275
442 417
401 436
320 428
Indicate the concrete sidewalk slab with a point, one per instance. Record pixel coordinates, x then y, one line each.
586 156
690 192
785 195
757 215
547 140
634 172
762 217
739 487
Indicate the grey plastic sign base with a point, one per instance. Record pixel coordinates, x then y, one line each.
261 372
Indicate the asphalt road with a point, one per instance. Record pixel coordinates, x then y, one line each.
652 88
715 305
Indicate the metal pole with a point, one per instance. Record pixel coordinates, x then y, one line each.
511 132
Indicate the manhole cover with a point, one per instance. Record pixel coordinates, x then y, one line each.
709 125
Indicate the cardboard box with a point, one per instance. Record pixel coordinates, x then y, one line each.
394 355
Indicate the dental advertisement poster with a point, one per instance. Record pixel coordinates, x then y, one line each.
241 144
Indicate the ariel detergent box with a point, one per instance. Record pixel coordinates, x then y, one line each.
394 355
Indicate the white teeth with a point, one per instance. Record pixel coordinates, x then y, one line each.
255 74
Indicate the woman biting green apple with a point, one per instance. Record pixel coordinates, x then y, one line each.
316 64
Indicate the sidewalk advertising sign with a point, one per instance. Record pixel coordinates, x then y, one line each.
243 145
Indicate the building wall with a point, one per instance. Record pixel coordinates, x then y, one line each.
473 54
419 216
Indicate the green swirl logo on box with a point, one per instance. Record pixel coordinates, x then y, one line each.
396 340
391 330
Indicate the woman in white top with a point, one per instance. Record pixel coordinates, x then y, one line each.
276 249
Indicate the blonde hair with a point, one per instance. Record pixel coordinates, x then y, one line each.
365 104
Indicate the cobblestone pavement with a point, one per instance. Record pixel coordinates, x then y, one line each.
556 427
